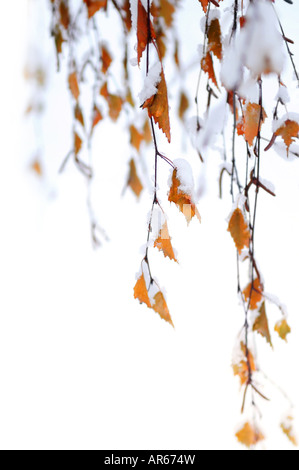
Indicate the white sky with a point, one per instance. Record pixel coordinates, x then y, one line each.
82 364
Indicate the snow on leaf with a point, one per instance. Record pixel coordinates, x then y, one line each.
287 427
261 324
254 292
283 329
133 180
208 67
182 199
145 32
249 435
253 120
163 243
157 107
239 230
214 38
140 292
94 5
73 84
161 308
241 368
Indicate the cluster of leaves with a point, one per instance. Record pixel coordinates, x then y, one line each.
153 22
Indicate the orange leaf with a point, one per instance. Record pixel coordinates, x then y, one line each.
157 107
239 230
204 4
208 67
127 17
147 133
261 324
77 143
144 33
283 329
133 180
287 428
161 308
254 292
73 84
249 435
97 117
163 243
140 292
136 137
253 121
214 38
181 199
288 131
36 167
106 59
94 5
166 11
241 368
115 106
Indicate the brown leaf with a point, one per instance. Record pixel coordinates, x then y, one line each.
288 131
145 34
106 59
78 114
73 84
166 11
181 199
64 14
140 292
239 230
115 102
214 38
94 6
253 121
136 137
184 105
133 180
208 67
97 117
161 308
147 133
127 17
261 324
283 329
157 107
254 292
249 435
163 243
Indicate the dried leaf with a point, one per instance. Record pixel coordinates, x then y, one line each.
127 17
184 105
283 329
136 137
140 292
161 308
214 38
64 14
204 4
239 230
287 428
97 117
253 121
79 115
166 11
73 84
94 6
77 143
261 324
36 167
145 34
208 67
163 243
157 107
181 199
241 368
254 292
249 435
133 180
106 59
288 131
115 102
